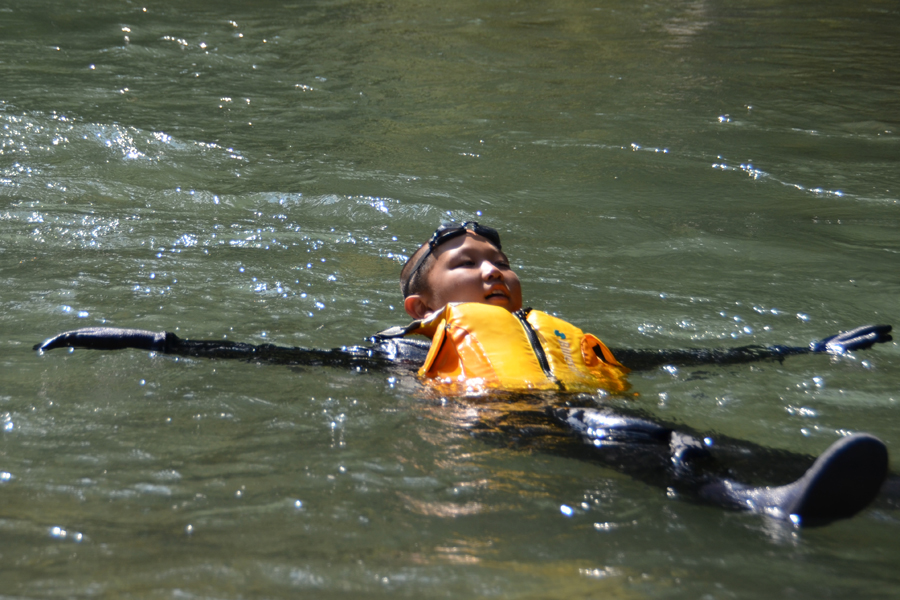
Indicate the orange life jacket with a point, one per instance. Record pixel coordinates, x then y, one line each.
475 347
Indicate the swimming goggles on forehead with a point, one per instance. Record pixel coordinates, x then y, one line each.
448 231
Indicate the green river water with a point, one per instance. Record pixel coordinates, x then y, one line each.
664 174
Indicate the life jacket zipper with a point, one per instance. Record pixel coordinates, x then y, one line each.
535 342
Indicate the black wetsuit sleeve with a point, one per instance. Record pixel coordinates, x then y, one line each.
345 357
859 338
641 360
110 338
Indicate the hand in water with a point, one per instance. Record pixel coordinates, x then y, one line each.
106 338
855 339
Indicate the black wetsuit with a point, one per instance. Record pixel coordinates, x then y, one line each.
661 454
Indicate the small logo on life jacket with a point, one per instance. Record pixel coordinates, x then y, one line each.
565 348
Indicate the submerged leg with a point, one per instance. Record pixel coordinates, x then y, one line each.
840 483
648 451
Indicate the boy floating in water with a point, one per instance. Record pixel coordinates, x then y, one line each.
462 293
466 298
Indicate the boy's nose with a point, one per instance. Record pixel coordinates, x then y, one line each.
490 271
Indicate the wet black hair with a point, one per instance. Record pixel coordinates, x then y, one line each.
416 282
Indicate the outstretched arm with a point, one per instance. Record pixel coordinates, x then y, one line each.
110 338
846 341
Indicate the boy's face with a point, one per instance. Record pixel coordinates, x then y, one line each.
467 268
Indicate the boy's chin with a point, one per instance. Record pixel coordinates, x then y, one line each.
501 301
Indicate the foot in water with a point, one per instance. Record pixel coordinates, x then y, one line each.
843 481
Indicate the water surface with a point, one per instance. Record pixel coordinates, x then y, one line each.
667 174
